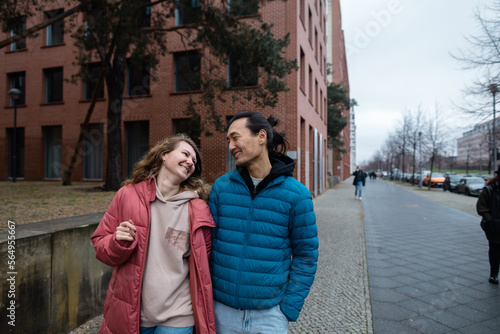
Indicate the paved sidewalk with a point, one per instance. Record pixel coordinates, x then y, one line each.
339 299
427 263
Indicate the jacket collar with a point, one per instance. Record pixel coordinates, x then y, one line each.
282 165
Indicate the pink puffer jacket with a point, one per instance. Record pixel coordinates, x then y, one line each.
122 305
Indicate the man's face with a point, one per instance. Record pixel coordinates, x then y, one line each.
244 146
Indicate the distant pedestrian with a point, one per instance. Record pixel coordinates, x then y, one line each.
359 182
157 234
488 206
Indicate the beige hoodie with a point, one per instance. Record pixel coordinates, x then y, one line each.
165 295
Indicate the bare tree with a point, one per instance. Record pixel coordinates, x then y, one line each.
482 55
436 138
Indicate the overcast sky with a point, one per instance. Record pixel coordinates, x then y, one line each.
398 57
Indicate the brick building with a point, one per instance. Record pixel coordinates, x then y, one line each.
475 147
52 110
341 168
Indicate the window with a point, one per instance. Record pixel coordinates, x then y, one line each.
187 11
146 15
302 10
53 84
321 58
187 71
310 27
321 103
92 152
54 33
17 80
316 95
316 43
302 70
90 82
137 78
243 7
241 75
137 136
310 84
16 158
19 26
53 151
231 161
320 14
190 127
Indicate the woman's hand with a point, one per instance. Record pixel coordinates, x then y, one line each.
125 231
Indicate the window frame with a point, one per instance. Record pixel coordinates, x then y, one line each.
54 30
49 73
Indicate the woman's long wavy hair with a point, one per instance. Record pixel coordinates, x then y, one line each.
149 166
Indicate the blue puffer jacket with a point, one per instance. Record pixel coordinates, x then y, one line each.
265 244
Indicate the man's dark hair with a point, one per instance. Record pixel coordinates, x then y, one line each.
276 142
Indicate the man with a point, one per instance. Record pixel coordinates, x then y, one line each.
265 245
359 182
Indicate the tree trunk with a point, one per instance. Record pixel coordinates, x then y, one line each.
115 80
66 176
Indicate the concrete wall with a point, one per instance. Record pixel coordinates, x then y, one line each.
57 282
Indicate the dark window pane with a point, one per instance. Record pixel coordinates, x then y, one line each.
145 15
189 127
90 81
241 75
53 151
19 152
138 79
137 143
19 27
17 80
187 71
54 85
54 32
243 7
92 152
187 11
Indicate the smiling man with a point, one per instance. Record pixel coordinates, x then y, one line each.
265 245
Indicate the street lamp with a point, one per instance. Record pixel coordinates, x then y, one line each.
493 88
420 159
14 94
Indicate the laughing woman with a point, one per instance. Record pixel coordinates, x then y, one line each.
157 236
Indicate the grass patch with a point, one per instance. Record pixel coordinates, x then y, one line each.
31 201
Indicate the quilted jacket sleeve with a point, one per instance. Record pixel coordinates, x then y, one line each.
304 239
108 250
212 203
483 204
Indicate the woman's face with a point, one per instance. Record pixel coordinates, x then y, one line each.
180 163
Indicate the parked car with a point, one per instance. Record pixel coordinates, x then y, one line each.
451 181
486 177
471 186
436 180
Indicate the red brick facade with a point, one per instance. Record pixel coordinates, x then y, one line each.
340 168
301 110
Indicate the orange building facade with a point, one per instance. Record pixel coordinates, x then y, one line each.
52 109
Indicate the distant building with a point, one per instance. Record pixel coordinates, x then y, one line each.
475 147
51 111
342 168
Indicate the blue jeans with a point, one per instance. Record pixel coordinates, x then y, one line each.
359 185
229 320
166 330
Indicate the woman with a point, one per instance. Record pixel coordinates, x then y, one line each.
488 207
157 236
